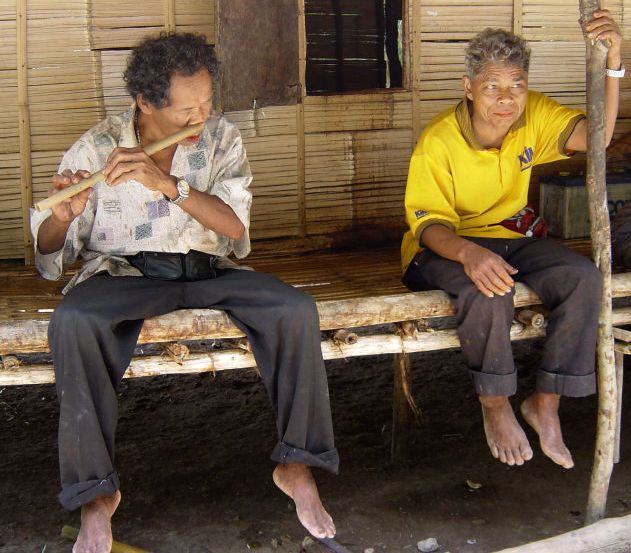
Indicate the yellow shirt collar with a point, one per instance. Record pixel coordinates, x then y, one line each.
466 127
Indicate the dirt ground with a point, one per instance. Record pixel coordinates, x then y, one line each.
193 456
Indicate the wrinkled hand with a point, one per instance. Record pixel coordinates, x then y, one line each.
489 272
603 27
69 209
126 164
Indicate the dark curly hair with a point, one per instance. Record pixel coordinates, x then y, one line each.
155 60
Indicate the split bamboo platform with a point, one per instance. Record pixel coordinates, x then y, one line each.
364 310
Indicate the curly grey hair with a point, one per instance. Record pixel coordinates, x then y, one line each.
497 46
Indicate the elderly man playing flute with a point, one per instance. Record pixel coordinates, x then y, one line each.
472 235
154 235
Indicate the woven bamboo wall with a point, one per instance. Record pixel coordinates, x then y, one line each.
329 163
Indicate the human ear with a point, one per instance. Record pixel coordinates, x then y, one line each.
466 84
143 105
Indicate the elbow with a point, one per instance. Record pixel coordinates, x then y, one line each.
237 232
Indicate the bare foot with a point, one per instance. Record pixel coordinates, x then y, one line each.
297 482
505 437
95 535
541 412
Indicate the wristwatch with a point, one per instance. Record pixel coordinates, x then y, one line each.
183 191
615 73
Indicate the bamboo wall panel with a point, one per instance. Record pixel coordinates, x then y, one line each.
64 99
626 19
269 136
557 19
442 67
112 64
460 19
357 150
11 239
122 24
355 112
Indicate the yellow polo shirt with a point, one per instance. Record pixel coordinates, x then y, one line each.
456 182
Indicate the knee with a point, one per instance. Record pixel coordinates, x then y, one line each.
298 305
586 280
478 305
74 316
68 313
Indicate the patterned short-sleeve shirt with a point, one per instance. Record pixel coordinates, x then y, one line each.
128 218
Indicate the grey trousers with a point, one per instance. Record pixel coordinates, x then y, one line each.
92 336
567 283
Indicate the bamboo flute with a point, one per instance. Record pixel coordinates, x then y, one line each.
602 467
150 149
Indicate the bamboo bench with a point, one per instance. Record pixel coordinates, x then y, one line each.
364 310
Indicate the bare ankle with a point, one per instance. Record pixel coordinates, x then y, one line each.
544 401
492 402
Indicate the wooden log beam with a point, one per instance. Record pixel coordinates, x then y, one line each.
611 535
601 246
30 335
219 360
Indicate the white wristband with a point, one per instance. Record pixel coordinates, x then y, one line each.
616 73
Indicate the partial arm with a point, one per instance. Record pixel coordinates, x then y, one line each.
602 27
490 273
125 164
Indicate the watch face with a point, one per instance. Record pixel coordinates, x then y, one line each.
183 187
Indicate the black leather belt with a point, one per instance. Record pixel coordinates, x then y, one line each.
189 266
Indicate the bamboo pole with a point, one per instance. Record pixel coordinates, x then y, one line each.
619 356
601 245
26 189
518 12
413 27
401 413
300 121
150 149
169 16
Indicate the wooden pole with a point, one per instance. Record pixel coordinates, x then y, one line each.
169 16
24 126
596 57
300 120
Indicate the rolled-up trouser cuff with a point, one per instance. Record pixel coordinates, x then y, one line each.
74 496
487 384
329 460
566 384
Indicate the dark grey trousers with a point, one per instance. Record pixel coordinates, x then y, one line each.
567 283
92 336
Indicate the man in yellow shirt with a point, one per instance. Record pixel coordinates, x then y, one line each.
468 176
